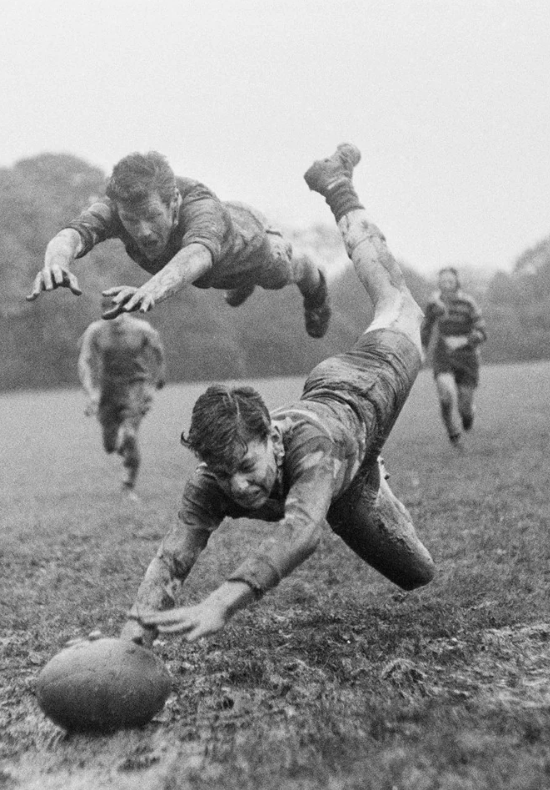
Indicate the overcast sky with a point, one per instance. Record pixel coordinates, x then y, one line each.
449 101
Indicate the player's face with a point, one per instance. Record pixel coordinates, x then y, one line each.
447 282
250 483
149 223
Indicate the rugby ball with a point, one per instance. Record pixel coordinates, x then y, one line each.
102 685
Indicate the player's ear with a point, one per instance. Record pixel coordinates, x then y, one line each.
277 439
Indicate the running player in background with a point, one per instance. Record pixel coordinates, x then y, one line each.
121 363
460 331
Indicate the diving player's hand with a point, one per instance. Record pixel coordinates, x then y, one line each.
92 636
204 619
51 277
127 299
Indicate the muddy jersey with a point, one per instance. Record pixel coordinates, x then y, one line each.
236 235
330 437
123 351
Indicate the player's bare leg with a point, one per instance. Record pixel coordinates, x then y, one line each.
466 407
446 391
379 529
381 275
127 448
312 283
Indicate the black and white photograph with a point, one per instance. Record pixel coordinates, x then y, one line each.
274 395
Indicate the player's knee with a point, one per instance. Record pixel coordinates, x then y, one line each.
421 573
109 443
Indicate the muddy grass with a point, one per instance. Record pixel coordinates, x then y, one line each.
336 679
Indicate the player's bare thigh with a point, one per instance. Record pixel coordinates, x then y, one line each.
394 306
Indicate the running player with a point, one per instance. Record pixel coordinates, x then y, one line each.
313 462
121 363
460 332
181 234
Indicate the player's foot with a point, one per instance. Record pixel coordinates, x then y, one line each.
468 421
317 310
456 441
235 297
324 174
128 491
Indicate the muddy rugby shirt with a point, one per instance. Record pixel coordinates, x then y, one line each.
123 351
331 438
236 235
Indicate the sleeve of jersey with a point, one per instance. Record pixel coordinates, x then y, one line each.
478 332
431 315
297 535
96 224
200 514
205 219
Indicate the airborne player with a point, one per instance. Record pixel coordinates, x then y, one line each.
178 231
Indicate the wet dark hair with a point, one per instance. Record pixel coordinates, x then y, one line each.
450 270
136 176
223 422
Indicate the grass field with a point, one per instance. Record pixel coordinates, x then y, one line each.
336 679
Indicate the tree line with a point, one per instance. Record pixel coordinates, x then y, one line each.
206 339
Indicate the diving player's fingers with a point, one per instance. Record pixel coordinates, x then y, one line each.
37 288
71 282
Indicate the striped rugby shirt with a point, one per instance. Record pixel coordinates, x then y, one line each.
456 315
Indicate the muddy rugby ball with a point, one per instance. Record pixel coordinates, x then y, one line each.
102 685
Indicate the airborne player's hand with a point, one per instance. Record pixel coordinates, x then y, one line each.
51 277
128 299
121 295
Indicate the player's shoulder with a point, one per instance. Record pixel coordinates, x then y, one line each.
465 297
191 189
96 327
466 302
92 331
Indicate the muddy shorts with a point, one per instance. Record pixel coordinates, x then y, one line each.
374 378
259 255
462 364
120 403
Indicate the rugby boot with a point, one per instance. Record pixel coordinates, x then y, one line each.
325 174
456 441
317 310
468 420
235 297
